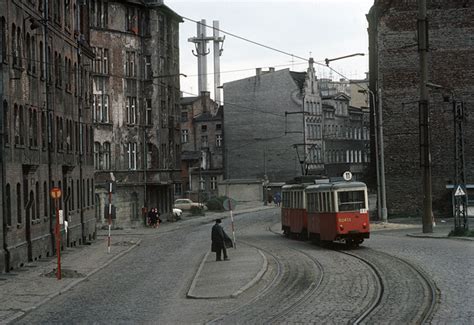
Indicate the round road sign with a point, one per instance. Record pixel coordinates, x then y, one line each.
56 193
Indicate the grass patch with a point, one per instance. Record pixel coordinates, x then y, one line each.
197 211
461 233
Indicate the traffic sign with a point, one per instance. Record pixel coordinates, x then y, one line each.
459 191
56 193
229 204
347 176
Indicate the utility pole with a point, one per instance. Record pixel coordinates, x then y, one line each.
425 118
460 195
381 161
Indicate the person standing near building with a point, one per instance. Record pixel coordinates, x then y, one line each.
219 241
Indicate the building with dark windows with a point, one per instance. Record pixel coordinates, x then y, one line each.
283 124
202 147
46 128
135 107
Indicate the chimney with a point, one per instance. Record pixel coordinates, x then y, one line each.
258 71
271 69
205 95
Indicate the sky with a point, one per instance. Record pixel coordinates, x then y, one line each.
304 28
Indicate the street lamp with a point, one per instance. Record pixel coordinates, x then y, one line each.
342 57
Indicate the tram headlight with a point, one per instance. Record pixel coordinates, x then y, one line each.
364 225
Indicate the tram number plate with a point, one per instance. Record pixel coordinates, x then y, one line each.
344 220
353 231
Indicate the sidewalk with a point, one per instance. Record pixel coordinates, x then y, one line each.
25 289
227 279
29 287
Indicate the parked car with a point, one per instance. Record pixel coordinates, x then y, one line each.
187 204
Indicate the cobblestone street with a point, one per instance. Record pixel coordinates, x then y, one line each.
302 283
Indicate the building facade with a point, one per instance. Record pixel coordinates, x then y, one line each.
283 124
202 147
395 75
135 107
46 128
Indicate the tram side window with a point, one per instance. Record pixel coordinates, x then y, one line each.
351 201
311 199
285 199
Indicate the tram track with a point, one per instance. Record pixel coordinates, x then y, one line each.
290 285
377 311
388 302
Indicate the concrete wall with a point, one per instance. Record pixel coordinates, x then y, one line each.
254 126
242 190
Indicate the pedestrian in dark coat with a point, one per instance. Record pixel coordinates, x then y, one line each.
219 240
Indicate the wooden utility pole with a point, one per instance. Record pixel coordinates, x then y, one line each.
425 145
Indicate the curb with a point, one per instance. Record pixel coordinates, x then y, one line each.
441 237
255 279
251 283
69 286
196 276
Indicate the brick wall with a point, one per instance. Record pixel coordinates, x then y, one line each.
395 69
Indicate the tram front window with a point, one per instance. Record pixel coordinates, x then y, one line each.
351 201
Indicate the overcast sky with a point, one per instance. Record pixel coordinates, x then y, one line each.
318 28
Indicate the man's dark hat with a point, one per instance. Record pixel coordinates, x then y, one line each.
218 220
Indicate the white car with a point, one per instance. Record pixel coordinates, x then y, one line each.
187 204
177 212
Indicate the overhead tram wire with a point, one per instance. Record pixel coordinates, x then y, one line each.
240 106
248 40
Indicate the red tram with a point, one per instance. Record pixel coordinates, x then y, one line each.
326 211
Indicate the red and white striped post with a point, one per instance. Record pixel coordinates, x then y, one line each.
232 223
110 216
56 194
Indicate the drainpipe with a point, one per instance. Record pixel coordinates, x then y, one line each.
49 120
4 252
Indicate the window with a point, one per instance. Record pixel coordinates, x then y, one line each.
148 68
130 69
213 183
6 124
106 154
204 141
97 164
8 202
184 136
178 189
203 128
149 116
18 203
45 199
131 110
99 13
3 40
218 127
132 155
101 108
131 20
14 46
149 155
219 140
57 11
184 116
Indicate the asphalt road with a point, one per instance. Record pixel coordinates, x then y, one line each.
303 284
